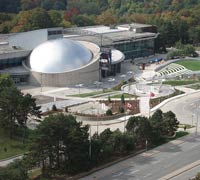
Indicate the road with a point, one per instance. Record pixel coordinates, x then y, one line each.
159 163
187 108
188 174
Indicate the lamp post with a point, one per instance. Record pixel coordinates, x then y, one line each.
193 118
41 82
131 75
79 88
90 146
197 122
123 76
110 80
97 84
146 144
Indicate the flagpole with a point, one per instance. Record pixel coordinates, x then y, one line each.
125 117
149 105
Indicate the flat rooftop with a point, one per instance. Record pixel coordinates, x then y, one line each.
111 38
101 29
135 25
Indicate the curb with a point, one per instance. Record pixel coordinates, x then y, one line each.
181 170
171 99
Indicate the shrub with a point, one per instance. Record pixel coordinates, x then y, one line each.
109 112
66 109
121 109
54 108
122 99
109 99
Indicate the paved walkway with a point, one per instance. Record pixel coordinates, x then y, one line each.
5 162
144 106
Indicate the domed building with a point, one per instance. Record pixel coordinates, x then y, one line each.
63 62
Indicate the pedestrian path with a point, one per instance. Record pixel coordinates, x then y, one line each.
144 105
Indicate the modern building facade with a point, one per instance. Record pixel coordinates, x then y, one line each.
61 57
133 40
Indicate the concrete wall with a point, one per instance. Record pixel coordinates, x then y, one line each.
85 75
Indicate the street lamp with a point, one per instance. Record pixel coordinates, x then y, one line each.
97 84
110 80
130 72
193 118
41 82
79 88
197 122
90 146
146 144
123 76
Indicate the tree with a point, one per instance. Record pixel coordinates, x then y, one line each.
27 109
82 20
156 122
107 18
15 108
33 19
61 145
122 100
140 127
170 123
56 17
197 177
9 6
14 171
109 112
122 142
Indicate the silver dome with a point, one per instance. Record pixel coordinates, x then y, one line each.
61 55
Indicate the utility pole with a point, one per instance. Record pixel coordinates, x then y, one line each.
90 146
197 121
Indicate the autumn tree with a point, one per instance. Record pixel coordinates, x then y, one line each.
107 18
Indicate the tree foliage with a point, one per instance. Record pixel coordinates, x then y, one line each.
15 107
159 126
175 21
61 144
33 19
14 171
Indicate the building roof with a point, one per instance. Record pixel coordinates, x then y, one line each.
112 38
61 55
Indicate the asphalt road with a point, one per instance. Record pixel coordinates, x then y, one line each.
188 174
155 164
187 108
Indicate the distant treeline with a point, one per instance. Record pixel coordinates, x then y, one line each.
177 20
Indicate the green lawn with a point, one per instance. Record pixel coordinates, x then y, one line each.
10 147
193 65
125 96
180 82
92 93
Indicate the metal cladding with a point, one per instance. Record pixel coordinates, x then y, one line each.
57 56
